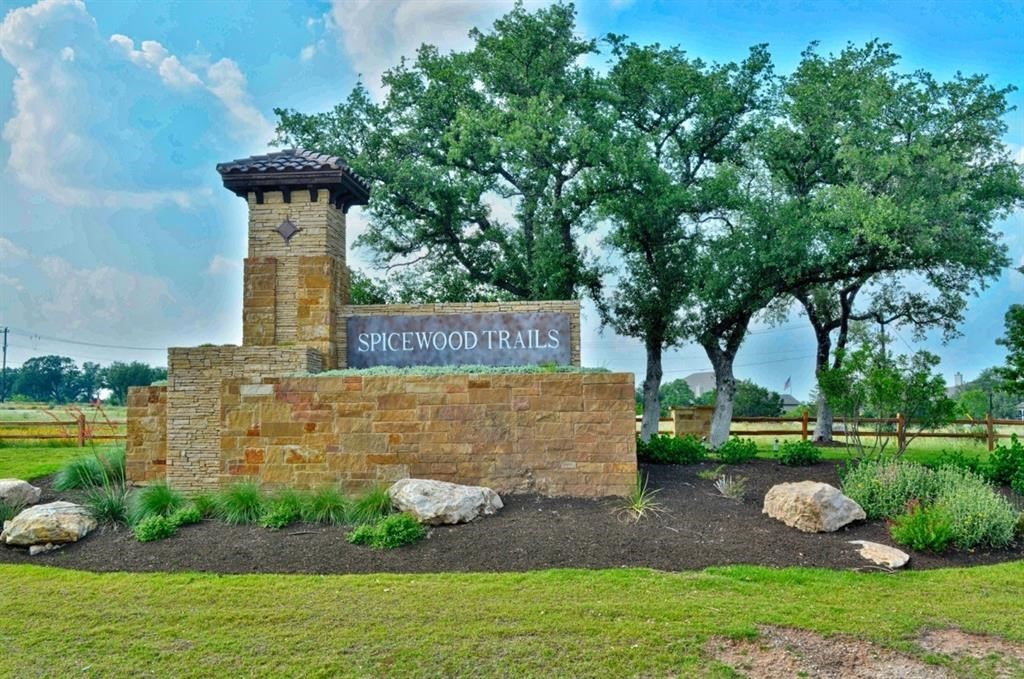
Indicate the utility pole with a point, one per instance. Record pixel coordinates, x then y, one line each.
3 370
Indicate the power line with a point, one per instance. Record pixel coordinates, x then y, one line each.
37 336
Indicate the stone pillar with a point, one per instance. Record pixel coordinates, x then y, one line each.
296 278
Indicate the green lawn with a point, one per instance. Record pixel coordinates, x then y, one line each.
29 462
550 623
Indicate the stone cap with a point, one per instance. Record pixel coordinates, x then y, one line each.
293 170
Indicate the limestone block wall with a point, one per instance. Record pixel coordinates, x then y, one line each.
146 444
550 433
194 378
695 421
571 307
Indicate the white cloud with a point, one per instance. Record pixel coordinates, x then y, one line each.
375 33
226 81
155 56
223 265
9 250
11 283
49 145
307 52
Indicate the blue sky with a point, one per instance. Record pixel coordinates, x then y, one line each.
114 229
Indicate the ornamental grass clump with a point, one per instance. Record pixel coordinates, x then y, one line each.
390 532
95 470
737 451
240 503
8 511
372 506
158 499
327 505
640 502
732 487
671 449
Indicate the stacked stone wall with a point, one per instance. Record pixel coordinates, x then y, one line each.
194 383
146 443
571 307
695 421
550 433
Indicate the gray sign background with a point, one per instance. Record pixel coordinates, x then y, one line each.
400 340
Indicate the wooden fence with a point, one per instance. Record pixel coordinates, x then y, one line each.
79 430
898 423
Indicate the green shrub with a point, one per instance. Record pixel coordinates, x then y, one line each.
240 503
158 499
393 531
154 527
923 529
884 487
95 470
798 453
186 516
372 506
671 449
980 517
1018 529
1004 463
737 451
1017 482
960 460
283 508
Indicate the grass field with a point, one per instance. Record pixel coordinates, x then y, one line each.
549 623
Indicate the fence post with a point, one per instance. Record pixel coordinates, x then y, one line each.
901 431
81 431
990 432
803 426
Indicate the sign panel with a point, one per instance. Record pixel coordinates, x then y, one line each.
459 339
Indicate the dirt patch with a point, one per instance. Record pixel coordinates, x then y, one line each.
1006 657
699 529
781 653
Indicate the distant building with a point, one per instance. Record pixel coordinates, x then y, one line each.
700 383
958 386
790 403
1020 409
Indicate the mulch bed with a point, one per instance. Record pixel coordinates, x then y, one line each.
700 529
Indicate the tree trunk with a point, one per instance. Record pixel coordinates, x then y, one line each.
652 383
823 420
725 391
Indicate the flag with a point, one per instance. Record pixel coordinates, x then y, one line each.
788 385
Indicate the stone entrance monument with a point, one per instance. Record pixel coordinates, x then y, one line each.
272 411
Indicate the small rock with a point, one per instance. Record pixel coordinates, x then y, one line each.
882 555
39 549
437 502
811 506
55 522
19 493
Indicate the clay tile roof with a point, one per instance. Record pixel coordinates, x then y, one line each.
288 160
292 169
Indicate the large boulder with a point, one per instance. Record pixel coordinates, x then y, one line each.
18 493
811 506
56 523
437 502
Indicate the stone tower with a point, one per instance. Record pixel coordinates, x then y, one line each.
296 278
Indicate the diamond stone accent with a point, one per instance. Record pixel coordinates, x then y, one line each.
287 229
